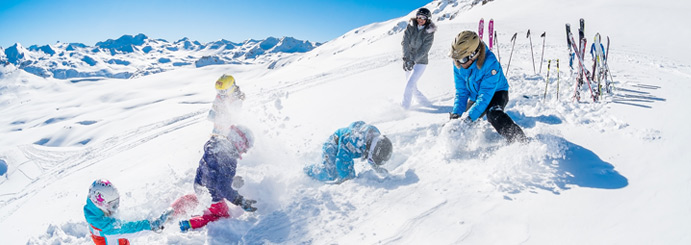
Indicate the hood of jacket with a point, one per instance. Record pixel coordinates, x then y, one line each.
430 27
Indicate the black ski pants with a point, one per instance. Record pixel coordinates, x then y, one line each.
501 122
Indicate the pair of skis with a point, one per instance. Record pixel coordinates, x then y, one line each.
490 28
600 67
578 53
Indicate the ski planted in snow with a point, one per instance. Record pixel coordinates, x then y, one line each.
490 31
581 47
583 72
610 85
597 52
568 44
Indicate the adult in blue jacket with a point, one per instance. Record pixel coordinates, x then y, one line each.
216 172
102 203
358 140
481 87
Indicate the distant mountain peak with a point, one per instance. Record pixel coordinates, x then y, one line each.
125 44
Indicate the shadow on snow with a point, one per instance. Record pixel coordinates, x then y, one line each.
584 168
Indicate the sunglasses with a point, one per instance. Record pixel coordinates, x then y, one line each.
227 91
467 58
422 17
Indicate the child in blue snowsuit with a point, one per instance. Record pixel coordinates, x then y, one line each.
359 140
215 173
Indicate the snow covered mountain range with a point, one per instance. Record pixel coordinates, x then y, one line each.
134 56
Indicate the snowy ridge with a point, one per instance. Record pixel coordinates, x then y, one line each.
613 172
134 56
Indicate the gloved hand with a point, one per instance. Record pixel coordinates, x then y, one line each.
408 65
245 204
454 116
467 121
239 94
157 224
238 182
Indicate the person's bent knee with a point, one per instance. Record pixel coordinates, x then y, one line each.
494 113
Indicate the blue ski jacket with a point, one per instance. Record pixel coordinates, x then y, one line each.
340 149
217 168
478 84
105 228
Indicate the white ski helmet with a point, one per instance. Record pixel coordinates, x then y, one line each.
104 195
241 137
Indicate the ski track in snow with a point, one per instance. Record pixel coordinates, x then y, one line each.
409 225
288 87
59 164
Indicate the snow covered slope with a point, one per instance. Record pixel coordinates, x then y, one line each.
134 56
614 172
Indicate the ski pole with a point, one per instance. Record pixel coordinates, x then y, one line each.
608 71
544 97
557 79
543 51
513 42
531 50
496 43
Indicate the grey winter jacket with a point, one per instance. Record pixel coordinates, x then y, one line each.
417 43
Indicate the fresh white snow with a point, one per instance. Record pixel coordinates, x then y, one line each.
614 172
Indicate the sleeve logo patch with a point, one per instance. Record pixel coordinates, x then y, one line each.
494 72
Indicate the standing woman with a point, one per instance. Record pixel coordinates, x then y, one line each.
417 41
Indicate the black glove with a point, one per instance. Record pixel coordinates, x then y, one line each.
245 204
454 116
408 65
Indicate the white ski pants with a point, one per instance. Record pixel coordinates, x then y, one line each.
411 87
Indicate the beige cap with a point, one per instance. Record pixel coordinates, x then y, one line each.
465 43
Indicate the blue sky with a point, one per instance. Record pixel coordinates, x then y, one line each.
43 22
